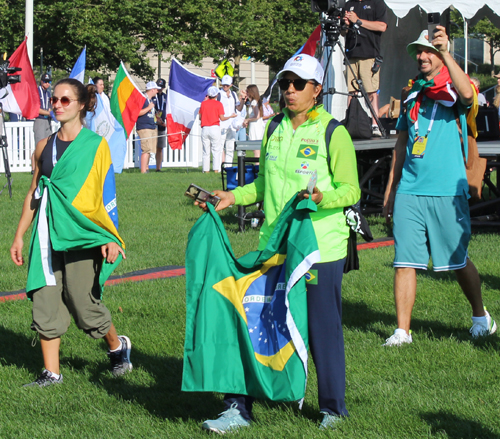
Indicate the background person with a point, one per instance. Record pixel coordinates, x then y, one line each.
337 187
76 290
254 119
211 114
99 83
146 126
481 99
267 111
429 200
367 20
160 101
41 127
231 105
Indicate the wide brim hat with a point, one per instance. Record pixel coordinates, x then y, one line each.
305 67
412 48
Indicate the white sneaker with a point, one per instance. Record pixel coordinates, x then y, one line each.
398 338
483 326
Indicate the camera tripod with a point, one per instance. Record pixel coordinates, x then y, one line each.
5 156
332 31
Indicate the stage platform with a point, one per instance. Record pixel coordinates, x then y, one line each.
374 160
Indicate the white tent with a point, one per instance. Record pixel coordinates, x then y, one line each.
406 19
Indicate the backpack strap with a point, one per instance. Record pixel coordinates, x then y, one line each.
330 128
272 125
235 99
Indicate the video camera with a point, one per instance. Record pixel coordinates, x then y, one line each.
6 74
332 13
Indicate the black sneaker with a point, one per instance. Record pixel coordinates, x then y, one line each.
45 379
120 360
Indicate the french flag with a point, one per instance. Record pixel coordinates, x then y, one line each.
186 91
22 98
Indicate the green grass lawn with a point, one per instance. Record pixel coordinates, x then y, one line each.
444 385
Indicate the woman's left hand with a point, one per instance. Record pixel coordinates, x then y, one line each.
110 252
316 196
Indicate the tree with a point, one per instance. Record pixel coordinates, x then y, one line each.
115 30
269 32
484 30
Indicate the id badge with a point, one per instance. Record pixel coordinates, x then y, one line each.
418 149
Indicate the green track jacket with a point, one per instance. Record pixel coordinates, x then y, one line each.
286 163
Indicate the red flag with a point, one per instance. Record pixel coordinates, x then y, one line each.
311 43
23 97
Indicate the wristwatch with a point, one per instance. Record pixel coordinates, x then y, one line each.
359 22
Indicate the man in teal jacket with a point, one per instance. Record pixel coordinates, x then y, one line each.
296 149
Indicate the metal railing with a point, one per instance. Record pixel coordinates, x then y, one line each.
456 55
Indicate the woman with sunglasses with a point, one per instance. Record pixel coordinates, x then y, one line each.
75 242
297 148
254 120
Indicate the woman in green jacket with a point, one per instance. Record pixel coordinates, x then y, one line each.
296 149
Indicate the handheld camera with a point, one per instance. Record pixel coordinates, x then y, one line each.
201 195
6 74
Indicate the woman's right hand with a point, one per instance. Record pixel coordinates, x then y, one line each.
226 199
16 251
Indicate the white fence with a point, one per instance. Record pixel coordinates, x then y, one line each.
21 144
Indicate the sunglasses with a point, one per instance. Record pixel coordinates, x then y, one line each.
65 101
298 84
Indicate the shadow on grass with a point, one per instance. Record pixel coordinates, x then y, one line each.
358 316
456 427
17 350
163 398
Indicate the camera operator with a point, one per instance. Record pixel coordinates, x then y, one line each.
41 127
367 19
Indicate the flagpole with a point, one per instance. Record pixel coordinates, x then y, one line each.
28 24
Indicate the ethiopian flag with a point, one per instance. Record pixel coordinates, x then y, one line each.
126 100
246 318
77 208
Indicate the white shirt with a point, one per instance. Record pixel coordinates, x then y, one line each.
229 106
105 102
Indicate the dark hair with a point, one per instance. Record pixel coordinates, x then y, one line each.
92 92
253 92
82 95
97 78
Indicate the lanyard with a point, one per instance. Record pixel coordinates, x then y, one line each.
44 97
433 115
160 99
54 151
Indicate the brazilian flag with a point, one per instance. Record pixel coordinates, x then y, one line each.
246 318
77 208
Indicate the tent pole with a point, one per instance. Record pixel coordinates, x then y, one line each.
466 50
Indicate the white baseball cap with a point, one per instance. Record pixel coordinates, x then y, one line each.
212 91
304 66
227 80
151 85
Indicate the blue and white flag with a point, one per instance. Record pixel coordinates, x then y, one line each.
79 68
104 123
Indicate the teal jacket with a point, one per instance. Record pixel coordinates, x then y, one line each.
286 163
